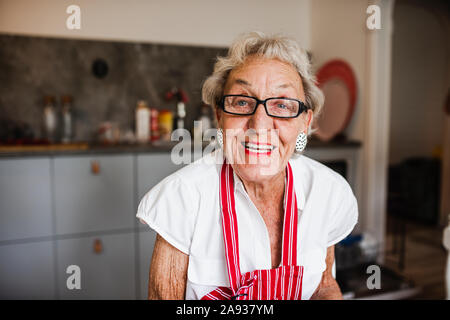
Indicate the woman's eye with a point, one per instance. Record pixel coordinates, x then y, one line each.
242 103
281 106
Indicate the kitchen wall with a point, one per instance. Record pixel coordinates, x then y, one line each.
193 22
64 66
338 31
193 28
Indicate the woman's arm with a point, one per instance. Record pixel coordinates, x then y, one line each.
328 288
168 272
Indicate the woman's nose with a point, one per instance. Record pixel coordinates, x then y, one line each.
260 119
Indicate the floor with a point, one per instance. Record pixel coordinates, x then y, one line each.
425 257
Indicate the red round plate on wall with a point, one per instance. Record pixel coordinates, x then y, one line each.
338 84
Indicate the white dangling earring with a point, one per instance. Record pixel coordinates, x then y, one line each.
219 137
300 144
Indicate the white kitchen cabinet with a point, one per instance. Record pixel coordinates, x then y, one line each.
58 211
27 271
25 198
106 264
93 193
146 244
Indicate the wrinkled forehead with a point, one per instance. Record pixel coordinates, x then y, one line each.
270 75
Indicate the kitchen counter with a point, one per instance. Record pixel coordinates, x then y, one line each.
82 148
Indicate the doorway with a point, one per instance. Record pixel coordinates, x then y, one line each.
420 83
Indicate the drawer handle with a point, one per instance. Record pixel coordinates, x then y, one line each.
95 167
98 246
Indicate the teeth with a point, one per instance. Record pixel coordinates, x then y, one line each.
258 151
260 148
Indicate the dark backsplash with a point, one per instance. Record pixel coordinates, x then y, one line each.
32 67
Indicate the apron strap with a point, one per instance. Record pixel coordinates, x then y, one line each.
230 225
289 247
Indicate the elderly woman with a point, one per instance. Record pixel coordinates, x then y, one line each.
255 219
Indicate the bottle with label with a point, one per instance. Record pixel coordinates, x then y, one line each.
142 122
180 115
154 128
165 124
49 119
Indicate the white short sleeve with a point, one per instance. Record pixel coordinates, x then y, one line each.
345 217
167 208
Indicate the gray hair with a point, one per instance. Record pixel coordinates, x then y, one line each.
271 47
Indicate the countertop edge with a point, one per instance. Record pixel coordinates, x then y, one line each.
149 148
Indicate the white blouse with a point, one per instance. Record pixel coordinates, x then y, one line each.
184 209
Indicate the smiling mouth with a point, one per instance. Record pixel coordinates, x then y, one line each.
253 148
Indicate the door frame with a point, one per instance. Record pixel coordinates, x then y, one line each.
377 120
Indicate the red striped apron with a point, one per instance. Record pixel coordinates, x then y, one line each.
282 283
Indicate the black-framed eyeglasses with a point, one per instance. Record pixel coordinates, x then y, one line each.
277 107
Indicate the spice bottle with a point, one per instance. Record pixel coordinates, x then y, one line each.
142 122
154 128
165 124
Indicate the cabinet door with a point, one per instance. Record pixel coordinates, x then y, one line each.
106 264
147 239
25 198
151 169
93 193
27 271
